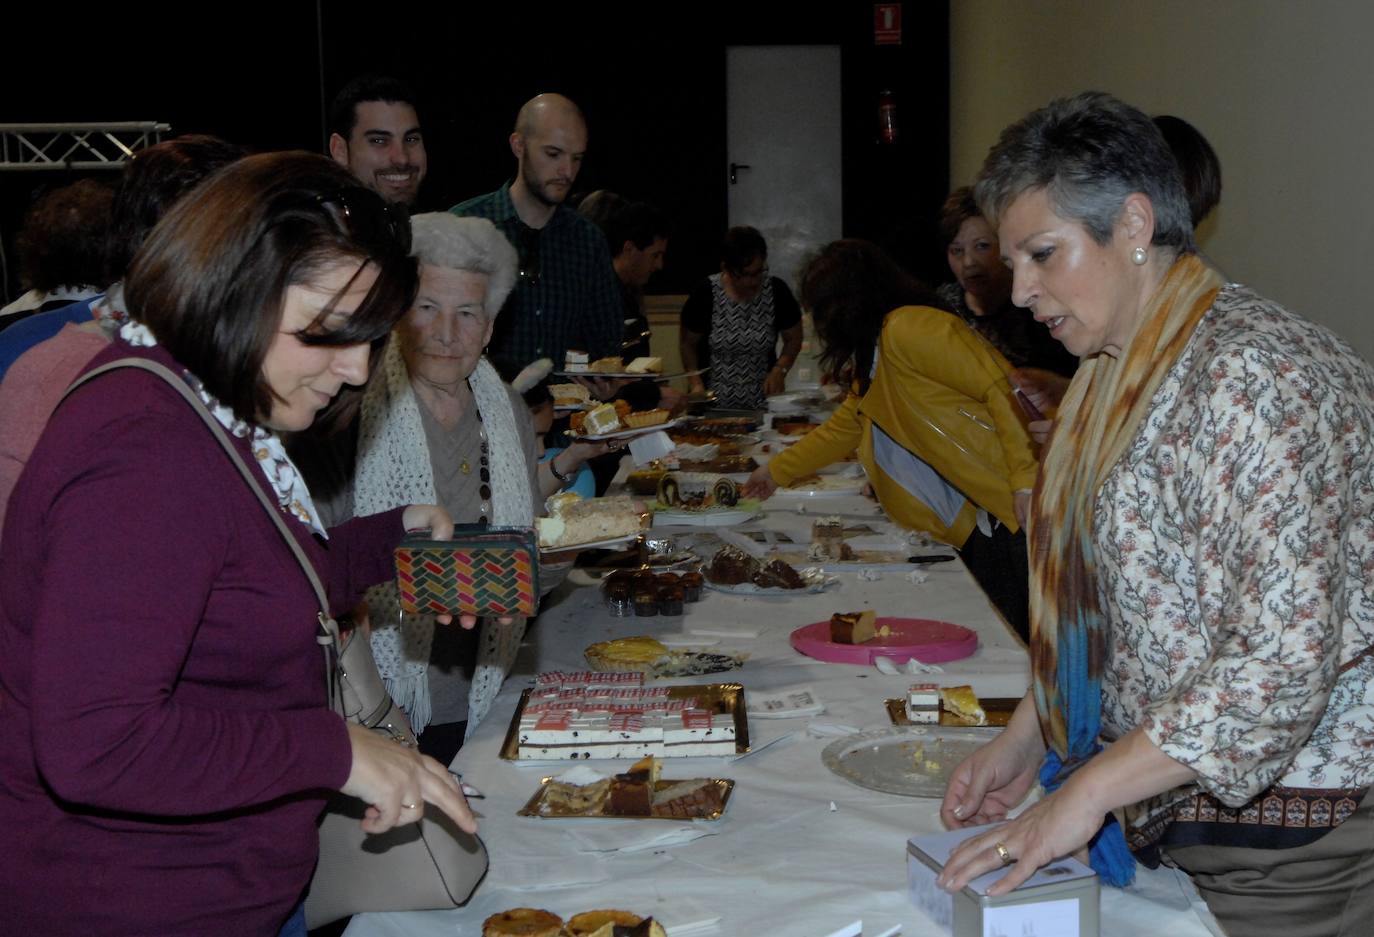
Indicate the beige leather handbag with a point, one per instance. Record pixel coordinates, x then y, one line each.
420 866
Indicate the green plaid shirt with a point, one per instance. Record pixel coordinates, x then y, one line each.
567 295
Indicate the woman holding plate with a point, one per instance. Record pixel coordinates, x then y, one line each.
1202 556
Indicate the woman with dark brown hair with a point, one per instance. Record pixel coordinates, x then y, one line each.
930 413
732 321
168 743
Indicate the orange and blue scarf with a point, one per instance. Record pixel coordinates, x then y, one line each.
1100 416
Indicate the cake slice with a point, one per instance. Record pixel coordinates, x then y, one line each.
644 366
963 702
579 790
569 395
698 797
577 520
575 360
853 627
602 419
609 365
731 566
923 703
632 793
778 575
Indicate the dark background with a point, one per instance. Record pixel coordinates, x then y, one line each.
650 77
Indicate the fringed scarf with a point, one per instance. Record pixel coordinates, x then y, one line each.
1100 416
394 469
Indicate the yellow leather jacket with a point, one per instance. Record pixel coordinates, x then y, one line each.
941 392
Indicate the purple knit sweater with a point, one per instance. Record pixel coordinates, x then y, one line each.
165 741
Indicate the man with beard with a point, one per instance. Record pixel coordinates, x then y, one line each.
375 134
567 295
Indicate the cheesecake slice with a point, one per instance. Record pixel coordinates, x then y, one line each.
853 627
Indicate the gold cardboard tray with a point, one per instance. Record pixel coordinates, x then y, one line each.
533 805
716 697
998 708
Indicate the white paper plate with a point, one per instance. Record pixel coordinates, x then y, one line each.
627 433
915 761
830 486
626 374
714 517
594 545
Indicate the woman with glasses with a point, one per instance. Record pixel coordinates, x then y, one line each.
168 743
731 324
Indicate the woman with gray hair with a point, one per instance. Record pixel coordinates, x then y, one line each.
437 418
1202 556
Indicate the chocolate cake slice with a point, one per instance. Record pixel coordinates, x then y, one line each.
778 575
730 567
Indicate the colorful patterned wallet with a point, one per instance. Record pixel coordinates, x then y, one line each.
481 571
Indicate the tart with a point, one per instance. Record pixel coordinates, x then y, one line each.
590 922
961 701
645 418
523 922
638 653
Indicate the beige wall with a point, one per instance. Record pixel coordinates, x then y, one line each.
1283 90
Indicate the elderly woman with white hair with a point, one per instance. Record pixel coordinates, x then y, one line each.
437 418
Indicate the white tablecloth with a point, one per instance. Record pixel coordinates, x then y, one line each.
799 850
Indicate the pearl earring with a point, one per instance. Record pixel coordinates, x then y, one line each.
1138 256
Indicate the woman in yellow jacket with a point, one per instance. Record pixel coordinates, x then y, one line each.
931 414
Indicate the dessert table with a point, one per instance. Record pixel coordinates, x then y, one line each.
799 850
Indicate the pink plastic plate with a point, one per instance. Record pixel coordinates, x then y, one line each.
929 641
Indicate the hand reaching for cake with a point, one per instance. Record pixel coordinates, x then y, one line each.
760 484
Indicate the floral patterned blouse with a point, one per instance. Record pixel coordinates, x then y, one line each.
1236 559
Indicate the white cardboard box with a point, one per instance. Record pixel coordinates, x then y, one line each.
1060 900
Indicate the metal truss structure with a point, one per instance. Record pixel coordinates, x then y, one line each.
30 147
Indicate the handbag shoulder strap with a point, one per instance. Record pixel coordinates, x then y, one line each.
328 636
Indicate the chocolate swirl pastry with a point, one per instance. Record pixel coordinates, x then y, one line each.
669 492
726 492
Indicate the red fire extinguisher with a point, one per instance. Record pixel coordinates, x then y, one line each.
887 116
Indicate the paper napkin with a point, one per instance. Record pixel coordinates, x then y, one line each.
786 703
638 836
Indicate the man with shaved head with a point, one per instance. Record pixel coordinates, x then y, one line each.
567 295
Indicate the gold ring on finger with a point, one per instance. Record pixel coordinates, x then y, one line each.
1003 853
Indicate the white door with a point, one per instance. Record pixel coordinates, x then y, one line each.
783 123
783 144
